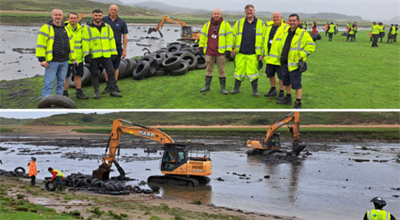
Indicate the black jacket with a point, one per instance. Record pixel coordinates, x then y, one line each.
61 47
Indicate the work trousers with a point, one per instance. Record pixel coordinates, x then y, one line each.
330 36
375 41
106 63
394 37
352 37
211 60
390 38
33 179
381 34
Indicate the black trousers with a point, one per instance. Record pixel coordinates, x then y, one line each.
330 36
375 41
352 37
106 63
33 178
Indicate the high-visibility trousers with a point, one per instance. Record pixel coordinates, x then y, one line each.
246 65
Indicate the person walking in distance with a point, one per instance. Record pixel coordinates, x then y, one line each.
331 30
32 171
248 39
216 43
75 70
99 47
296 46
54 48
375 34
273 39
119 28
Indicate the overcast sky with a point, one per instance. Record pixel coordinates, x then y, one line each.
367 9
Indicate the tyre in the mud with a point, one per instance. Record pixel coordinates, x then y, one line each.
50 186
56 101
171 63
19 170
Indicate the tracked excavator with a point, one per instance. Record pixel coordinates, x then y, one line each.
177 166
271 143
186 31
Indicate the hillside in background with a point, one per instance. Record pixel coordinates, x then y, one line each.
213 118
78 6
14 121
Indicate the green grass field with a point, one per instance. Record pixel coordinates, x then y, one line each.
340 75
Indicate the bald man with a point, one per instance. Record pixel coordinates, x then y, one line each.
273 38
54 48
119 27
216 43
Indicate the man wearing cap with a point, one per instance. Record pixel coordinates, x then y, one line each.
58 176
32 170
331 30
378 213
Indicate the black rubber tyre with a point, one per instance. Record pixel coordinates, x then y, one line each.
131 66
118 186
188 49
20 170
174 47
99 184
56 101
122 69
77 183
47 178
87 77
191 59
177 53
160 72
159 62
110 187
183 69
114 193
137 189
86 183
141 70
153 67
50 186
128 187
171 63
201 62
155 188
147 191
91 189
319 37
149 58
125 192
93 182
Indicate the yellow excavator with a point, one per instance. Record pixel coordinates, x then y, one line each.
271 142
186 32
176 164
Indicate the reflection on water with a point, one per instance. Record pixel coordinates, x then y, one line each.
202 193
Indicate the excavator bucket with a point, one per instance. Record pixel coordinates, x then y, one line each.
151 30
297 148
103 172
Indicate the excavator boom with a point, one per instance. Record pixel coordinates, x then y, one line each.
186 34
271 141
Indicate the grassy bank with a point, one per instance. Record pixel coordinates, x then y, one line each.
389 134
340 75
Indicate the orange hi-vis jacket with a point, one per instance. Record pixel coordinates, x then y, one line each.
32 169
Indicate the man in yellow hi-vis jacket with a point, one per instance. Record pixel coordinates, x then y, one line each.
247 41
54 48
99 47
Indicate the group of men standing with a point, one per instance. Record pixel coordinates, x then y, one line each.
63 47
378 31
283 47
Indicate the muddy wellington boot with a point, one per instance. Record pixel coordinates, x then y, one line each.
112 85
222 83
237 87
254 85
95 84
207 85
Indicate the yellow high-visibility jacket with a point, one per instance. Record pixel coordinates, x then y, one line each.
98 44
271 57
237 35
225 37
77 38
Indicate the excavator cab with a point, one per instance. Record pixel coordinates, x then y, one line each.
173 158
275 141
186 32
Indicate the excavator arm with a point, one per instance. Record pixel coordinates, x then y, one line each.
114 145
269 141
161 23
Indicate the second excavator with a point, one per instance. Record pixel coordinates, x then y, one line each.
271 142
178 167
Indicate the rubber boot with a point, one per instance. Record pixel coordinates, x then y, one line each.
112 85
106 90
237 87
95 84
223 82
81 95
207 85
254 85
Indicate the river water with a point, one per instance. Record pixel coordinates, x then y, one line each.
327 185
18 43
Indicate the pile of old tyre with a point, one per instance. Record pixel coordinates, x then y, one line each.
177 59
345 33
315 36
18 172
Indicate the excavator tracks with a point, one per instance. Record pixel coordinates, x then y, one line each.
192 181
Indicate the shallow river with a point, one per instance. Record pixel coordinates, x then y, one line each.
327 185
22 63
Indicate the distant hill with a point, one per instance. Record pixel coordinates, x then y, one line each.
169 8
217 118
14 121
